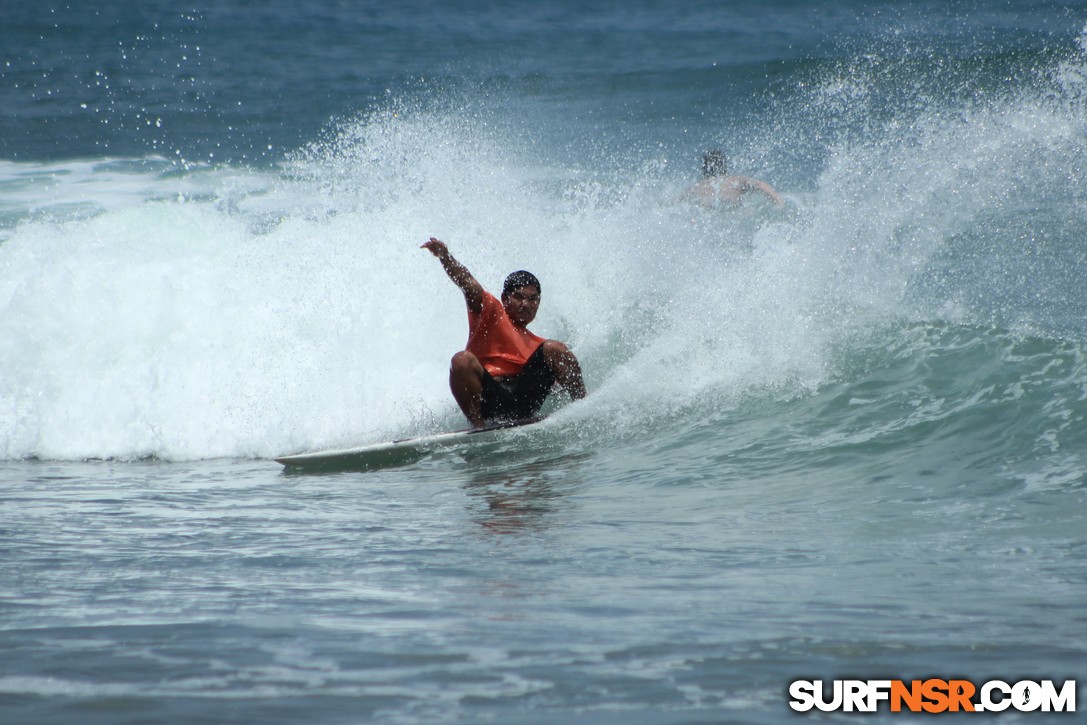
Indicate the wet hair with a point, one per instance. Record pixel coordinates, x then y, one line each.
520 278
714 163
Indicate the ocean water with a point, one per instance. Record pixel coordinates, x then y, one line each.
841 440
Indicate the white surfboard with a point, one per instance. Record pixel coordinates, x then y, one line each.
390 454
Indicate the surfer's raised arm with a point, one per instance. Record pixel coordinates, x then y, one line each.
473 290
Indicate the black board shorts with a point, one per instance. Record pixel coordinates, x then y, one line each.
518 396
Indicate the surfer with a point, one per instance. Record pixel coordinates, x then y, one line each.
719 185
505 372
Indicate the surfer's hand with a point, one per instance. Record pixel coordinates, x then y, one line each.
473 291
436 247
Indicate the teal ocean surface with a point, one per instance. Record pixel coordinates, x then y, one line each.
841 440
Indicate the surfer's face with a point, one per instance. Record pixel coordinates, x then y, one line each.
521 304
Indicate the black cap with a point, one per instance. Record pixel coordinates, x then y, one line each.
520 278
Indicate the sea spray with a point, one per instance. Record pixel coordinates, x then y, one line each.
211 311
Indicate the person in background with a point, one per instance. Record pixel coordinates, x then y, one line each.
718 185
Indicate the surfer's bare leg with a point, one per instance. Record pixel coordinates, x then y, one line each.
466 381
566 367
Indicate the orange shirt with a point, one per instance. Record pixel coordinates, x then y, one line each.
502 347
